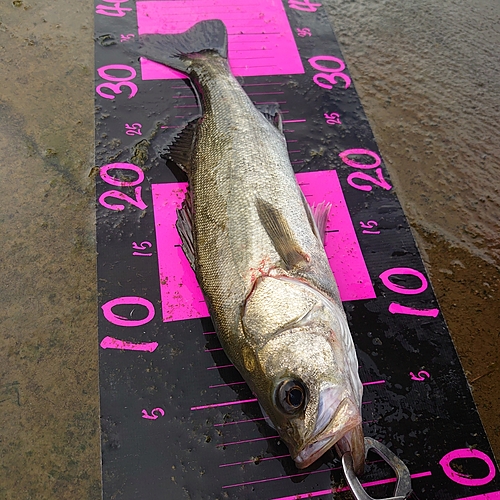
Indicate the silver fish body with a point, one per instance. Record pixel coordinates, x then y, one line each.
259 257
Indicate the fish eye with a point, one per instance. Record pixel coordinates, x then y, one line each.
291 396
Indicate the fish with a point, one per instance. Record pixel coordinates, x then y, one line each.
257 249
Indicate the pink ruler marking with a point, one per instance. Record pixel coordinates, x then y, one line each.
181 295
341 243
261 41
494 495
314 494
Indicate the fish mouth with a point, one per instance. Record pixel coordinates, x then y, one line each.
313 451
346 418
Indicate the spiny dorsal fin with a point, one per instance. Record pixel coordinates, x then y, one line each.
320 213
184 227
318 217
272 114
278 229
181 149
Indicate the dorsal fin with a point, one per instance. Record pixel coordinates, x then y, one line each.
318 217
181 148
272 114
320 213
278 229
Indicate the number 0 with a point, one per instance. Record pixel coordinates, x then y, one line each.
122 320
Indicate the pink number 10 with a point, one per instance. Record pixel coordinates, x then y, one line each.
395 308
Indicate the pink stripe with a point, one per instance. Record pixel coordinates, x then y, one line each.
294 121
494 495
387 481
281 477
269 102
269 29
180 294
314 494
226 385
214 349
253 461
241 421
248 441
342 248
399 309
112 343
227 403
265 93
219 366
261 84
376 382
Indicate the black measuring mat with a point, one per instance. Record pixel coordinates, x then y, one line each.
177 419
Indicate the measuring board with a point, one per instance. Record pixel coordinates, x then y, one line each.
177 419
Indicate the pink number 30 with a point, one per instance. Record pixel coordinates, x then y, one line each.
329 74
123 81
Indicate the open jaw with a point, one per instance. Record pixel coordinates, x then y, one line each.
313 451
346 418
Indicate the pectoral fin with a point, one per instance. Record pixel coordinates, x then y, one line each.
278 229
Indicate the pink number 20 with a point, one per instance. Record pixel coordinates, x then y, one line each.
379 181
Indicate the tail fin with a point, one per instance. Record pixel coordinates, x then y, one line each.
177 51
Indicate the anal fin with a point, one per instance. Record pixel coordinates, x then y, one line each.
184 227
280 233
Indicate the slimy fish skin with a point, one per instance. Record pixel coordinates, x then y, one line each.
257 250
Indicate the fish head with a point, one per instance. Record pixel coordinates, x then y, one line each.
309 401
307 378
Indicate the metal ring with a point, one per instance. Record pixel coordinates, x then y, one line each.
403 484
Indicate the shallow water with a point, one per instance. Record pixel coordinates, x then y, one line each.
427 76
428 79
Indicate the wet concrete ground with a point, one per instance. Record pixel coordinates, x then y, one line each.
427 75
